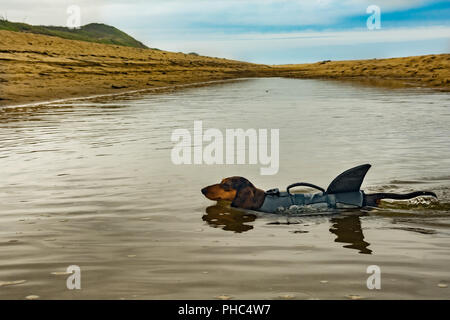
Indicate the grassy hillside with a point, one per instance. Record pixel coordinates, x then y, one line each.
93 32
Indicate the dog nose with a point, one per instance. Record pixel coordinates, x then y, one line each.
204 190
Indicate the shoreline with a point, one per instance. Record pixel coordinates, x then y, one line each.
37 69
426 71
122 93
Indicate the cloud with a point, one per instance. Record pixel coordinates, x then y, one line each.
314 46
206 13
217 13
268 31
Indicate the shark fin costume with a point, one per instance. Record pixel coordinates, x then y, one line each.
343 192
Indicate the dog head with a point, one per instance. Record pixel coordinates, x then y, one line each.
241 192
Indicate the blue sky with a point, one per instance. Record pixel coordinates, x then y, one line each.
263 31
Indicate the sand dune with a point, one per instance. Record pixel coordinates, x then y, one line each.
37 68
423 71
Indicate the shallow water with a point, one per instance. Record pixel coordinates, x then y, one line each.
91 183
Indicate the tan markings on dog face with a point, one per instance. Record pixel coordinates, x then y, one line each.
219 192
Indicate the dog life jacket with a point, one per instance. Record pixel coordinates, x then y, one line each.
275 202
343 192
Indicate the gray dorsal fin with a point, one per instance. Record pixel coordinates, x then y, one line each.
350 180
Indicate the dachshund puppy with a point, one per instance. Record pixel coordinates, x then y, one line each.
241 192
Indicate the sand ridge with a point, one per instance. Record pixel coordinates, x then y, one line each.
38 68
424 71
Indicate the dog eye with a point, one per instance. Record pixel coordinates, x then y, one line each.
226 187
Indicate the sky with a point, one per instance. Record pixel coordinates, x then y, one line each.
262 31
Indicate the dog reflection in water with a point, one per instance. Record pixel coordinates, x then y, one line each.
347 228
348 231
229 219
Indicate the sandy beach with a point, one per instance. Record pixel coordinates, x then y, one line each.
37 68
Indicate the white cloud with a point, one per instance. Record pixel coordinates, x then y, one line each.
172 13
313 46
220 27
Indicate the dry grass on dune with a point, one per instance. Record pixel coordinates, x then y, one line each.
427 71
38 68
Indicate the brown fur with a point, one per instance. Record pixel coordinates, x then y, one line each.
241 192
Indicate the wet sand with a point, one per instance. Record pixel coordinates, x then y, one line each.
36 68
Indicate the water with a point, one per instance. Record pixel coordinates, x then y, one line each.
91 183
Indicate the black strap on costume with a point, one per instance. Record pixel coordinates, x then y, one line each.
304 184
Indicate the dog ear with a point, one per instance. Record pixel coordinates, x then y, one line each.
244 198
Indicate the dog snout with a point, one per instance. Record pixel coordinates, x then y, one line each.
205 190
